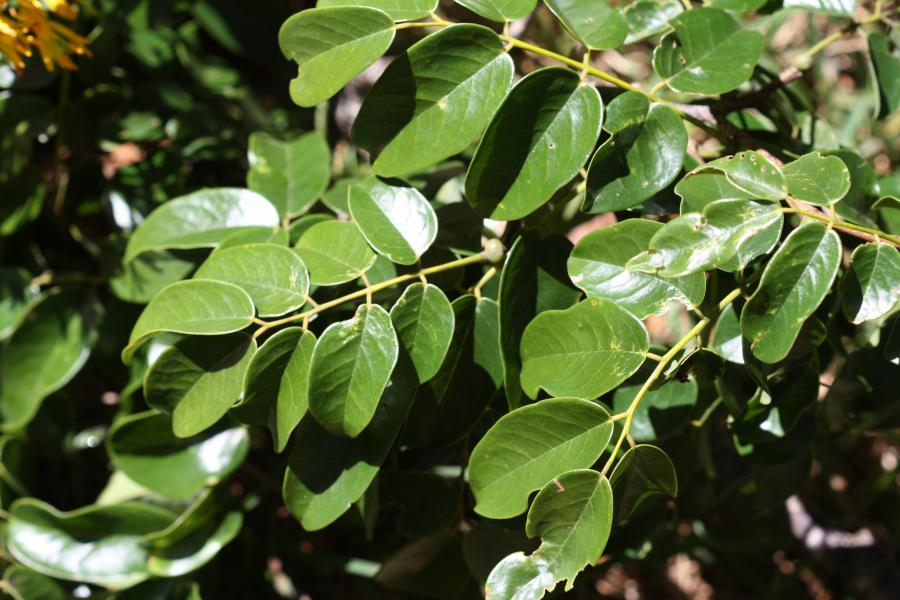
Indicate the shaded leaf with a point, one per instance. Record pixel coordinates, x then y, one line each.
529 446
886 63
351 364
517 305
597 266
201 220
331 46
144 448
708 52
395 219
289 174
273 276
794 283
434 99
327 473
582 351
193 307
24 584
198 379
537 141
662 410
643 156
642 472
499 10
149 272
276 384
871 286
16 293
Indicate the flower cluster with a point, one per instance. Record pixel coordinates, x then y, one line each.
28 24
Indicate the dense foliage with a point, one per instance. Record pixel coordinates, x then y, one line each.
283 318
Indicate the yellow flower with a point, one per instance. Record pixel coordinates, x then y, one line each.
28 24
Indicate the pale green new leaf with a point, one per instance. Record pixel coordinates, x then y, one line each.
144 448
101 545
424 321
201 220
642 472
331 46
327 473
643 156
198 379
45 352
398 10
537 142
434 99
817 179
573 517
597 25
582 351
530 446
273 276
696 242
597 266
350 367
708 52
395 219
793 285
193 307
871 286
334 252
290 174
276 384
500 10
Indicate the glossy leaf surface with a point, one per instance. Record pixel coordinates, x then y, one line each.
290 174
334 252
424 321
871 287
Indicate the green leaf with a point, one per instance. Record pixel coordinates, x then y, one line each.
486 343
45 353
16 293
326 473
398 10
727 233
708 52
517 305
273 276
793 285
24 584
499 10
195 538
838 8
424 321
647 18
276 384
434 99
595 24
643 156
728 342
198 379
582 351
101 545
201 220
886 64
817 179
662 410
331 46
255 235
194 307
597 266
334 252
642 472
697 189
573 517
289 174
537 141
871 286
149 272
351 365
737 5
530 446
144 448
394 218
752 173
